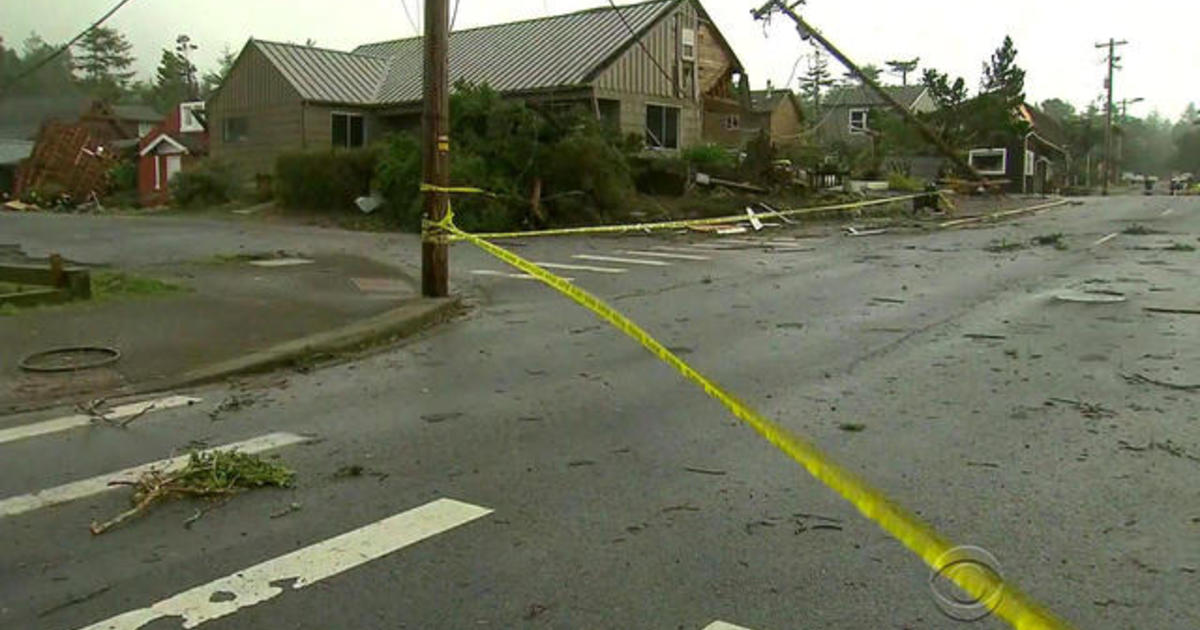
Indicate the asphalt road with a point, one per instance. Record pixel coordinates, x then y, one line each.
619 495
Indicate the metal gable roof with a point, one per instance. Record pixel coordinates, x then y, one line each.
558 51
327 76
862 96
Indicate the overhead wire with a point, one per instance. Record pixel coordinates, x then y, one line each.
632 33
454 16
411 21
65 47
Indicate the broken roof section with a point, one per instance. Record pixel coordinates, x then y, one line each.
528 56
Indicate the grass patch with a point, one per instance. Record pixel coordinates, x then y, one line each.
108 285
1002 246
1180 247
1138 229
214 474
1050 240
8 310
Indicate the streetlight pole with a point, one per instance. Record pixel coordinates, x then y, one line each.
435 251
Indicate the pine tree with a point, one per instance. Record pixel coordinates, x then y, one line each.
212 79
170 81
870 70
104 59
904 68
816 80
1002 75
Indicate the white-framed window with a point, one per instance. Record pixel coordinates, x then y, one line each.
189 117
859 119
349 130
662 127
732 122
989 161
235 129
1030 164
689 44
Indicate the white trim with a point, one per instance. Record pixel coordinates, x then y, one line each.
1030 163
866 112
159 140
1003 160
188 122
157 174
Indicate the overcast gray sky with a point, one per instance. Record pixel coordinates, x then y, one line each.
1055 37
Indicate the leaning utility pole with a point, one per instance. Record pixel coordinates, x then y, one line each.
807 32
1111 45
435 251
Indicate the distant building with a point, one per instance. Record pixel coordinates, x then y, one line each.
660 70
171 147
1033 162
779 114
846 113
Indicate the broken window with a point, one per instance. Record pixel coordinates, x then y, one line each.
235 129
732 122
348 131
662 127
989 161
858 120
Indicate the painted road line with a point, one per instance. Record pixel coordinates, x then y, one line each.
721 625
307 566
611 270
117 414
501 274
621 261
691 249
282 262
669 256
13 506
1106 239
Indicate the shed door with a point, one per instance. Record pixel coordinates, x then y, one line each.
174 165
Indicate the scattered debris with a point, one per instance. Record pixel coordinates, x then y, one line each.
853 231
535 610
436 418
236 402
1172 311
75 601
979 336
983 464
1091 297
1180 247
1050 240
352 470
578 463
790 325
290 509
1142 379
211 474
680 508
1088 410
705 471
1003 246
1140 230
884 300
852 427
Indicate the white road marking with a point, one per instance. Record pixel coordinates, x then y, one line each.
612 270
621 261
632 252
693 249
721 625
501 274
81 420
282 262
13 506
262 582
1168 211
1106 239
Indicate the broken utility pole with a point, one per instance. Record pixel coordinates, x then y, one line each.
806 32
1109 163
435 250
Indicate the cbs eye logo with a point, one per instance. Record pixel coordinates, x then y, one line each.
970 564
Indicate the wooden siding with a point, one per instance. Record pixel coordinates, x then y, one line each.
635 71
254 90
786 124
714 63
632 115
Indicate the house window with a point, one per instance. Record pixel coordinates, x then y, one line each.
235 129
1030 164
858 120
144 129
662 127
989 161
348 131
689 44
732 122
190 115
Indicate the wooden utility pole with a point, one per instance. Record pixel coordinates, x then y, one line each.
806 31
435 253
1111 45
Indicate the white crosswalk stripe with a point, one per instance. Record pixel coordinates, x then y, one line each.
621 261
667 255
310 565
721 625
609 270
124 412
510 275
99 484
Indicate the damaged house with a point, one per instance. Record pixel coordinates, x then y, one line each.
660 70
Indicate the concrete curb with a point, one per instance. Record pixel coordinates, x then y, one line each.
404 321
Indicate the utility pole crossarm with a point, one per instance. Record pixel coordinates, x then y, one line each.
806 31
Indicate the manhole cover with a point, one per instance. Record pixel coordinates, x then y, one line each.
70 359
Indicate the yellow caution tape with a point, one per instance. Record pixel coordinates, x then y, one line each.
986 587
660 225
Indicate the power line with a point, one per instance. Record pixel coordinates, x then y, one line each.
454 16
642 44
65 47
411 21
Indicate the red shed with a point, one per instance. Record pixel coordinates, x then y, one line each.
171 147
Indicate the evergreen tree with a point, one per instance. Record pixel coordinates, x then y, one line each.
212 79
170 81
816 80
904 68
1002 76
104 59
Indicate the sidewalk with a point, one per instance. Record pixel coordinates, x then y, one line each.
229 315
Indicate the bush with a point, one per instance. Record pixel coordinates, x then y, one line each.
903 183
661 175
324 180
710 158
123 176
208 183
398 179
